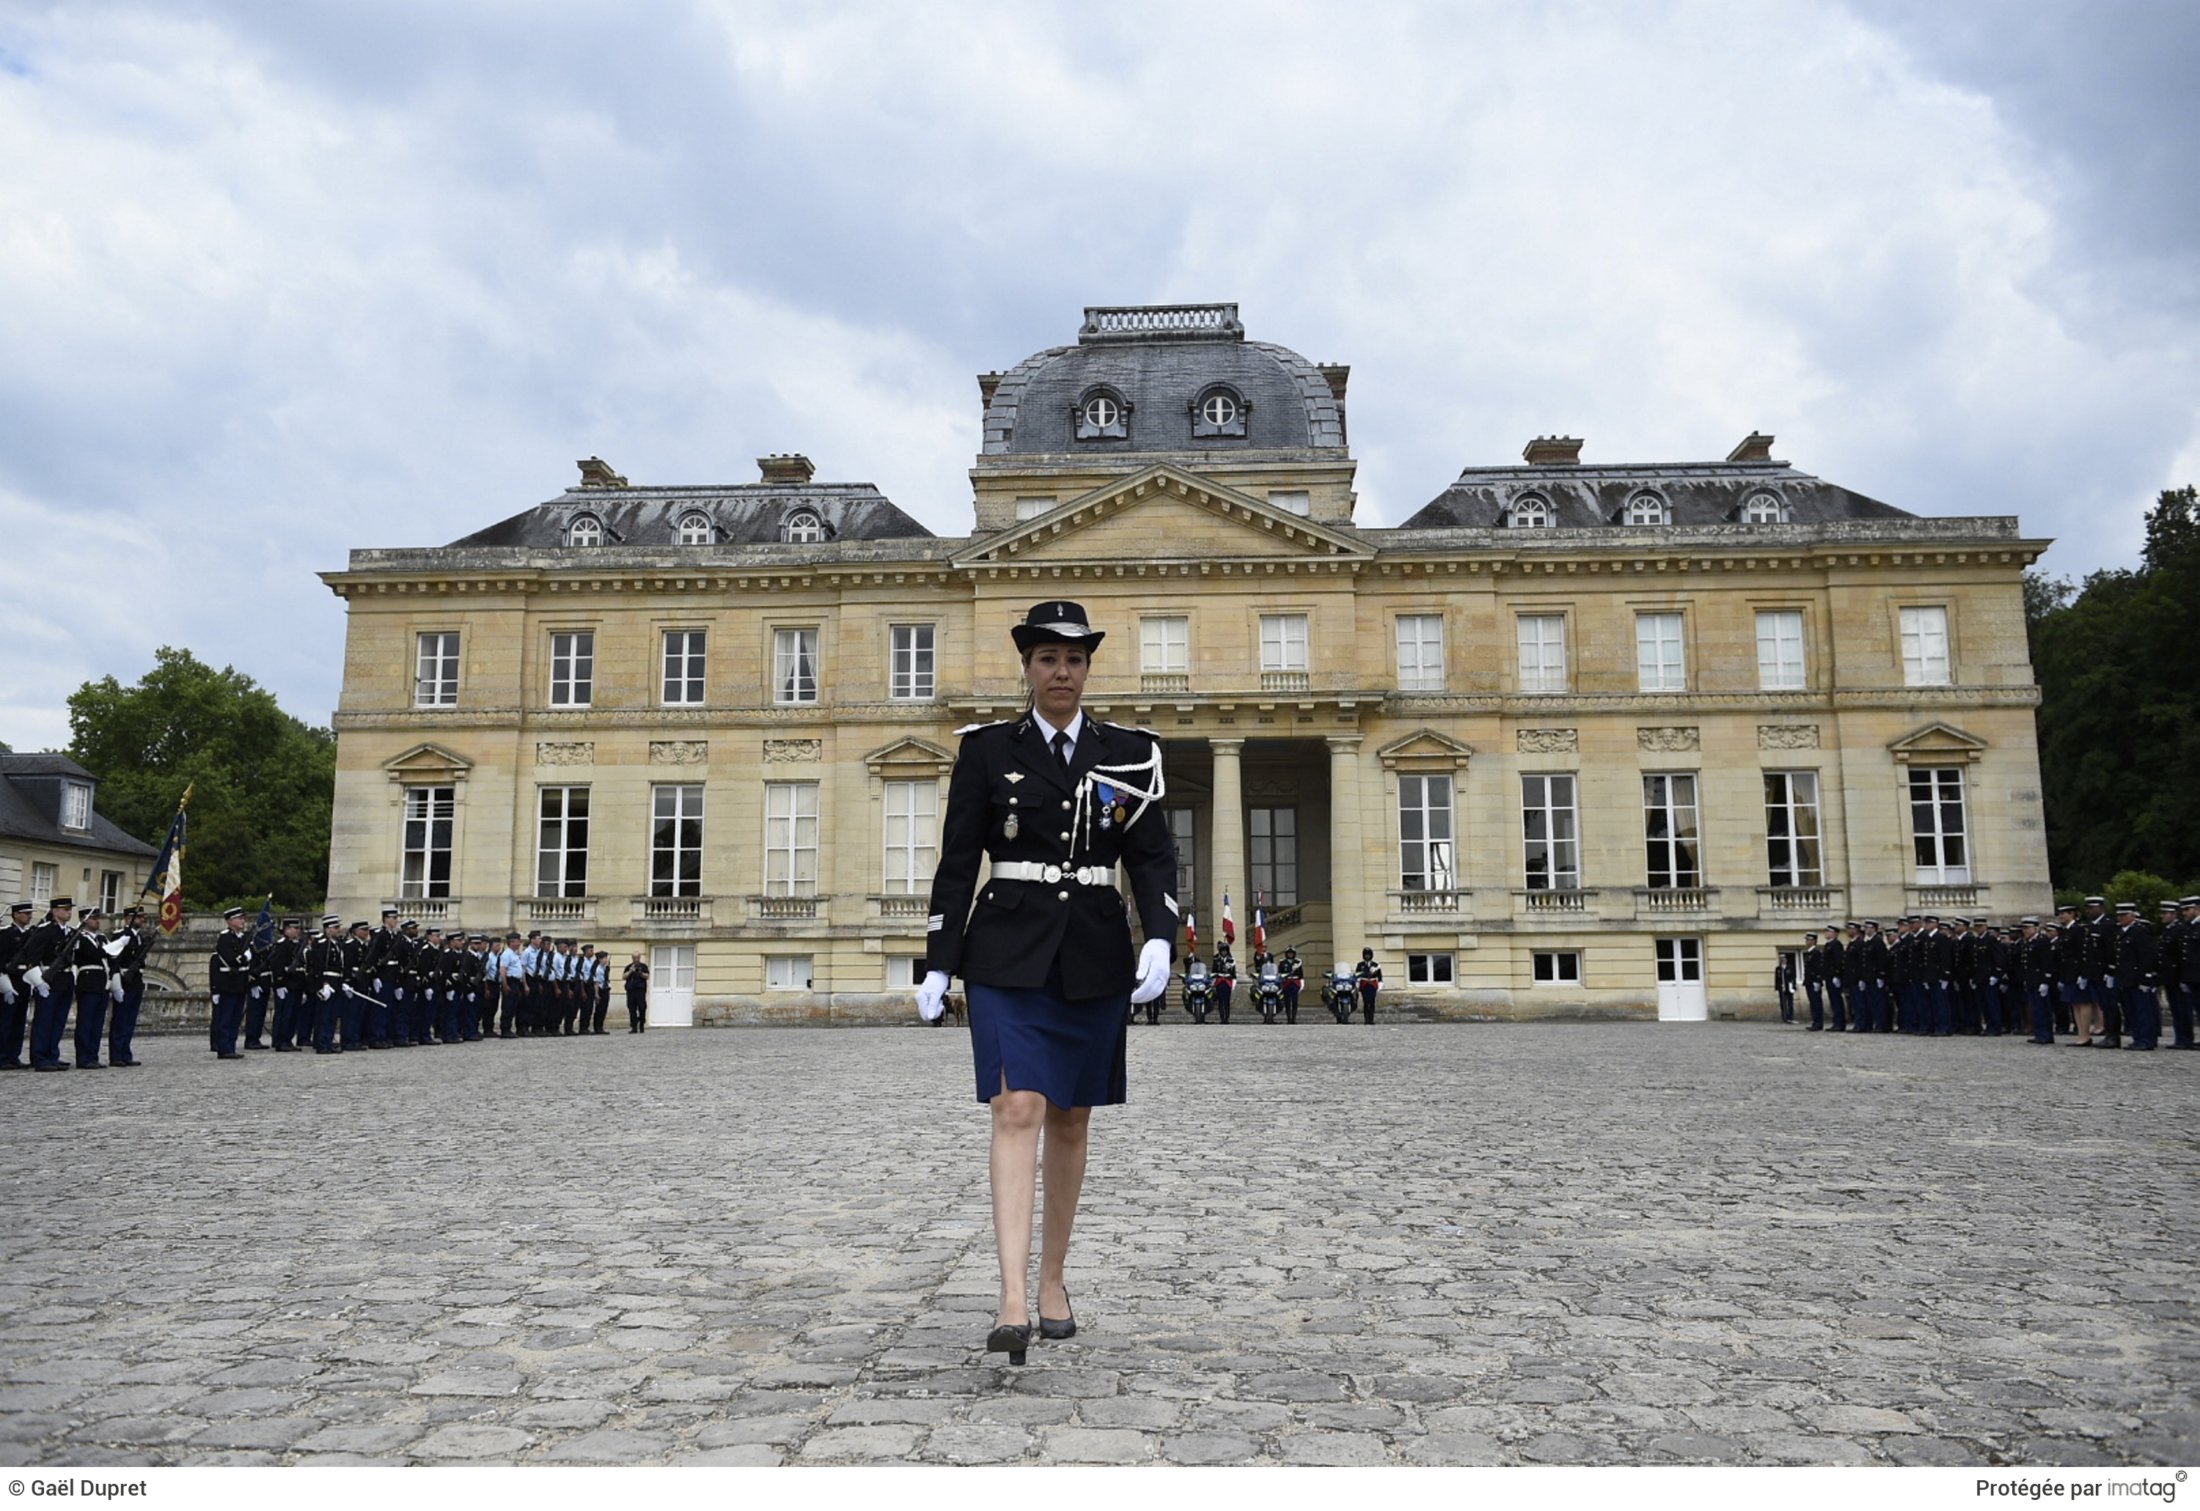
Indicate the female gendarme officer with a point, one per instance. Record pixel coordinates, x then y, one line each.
1056 800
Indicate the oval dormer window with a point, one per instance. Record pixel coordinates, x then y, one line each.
695 528
1219 410
805 527
1764 509
1102 415
586 530
1647 508
1530 511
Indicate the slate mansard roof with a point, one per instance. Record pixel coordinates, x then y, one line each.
30 806
739 515
1160 359
1693 493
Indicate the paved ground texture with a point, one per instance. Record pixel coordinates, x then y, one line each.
1637 1243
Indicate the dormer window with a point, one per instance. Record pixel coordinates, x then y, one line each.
1647 508
586 530
76 806
1764 509
1530 511
1102 415
803 527
695 528
1219 410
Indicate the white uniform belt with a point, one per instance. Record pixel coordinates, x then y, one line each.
1031 870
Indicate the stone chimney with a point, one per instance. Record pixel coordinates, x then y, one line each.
1553 451
987 382
791 469
597 473
1755 447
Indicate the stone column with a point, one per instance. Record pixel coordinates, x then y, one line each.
1348 894
1226 846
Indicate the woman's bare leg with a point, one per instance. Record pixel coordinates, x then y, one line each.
1016 1119
1064 1156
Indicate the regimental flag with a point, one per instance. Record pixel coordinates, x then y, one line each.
1229 923
1191 932
1260 922
166 882
263 928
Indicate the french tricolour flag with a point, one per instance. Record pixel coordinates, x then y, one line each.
1260 922
1229 924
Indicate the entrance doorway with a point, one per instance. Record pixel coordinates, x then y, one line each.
672 986
1681 996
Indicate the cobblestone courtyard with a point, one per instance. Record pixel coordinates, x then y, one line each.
1723 1243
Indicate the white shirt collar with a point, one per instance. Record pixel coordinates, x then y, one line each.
1076 727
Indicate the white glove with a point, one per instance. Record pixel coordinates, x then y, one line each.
2109 983
327 992
7 990
931 996
36 976
431 994
1153 971
282 994
40 988
378 983
255 994
114 990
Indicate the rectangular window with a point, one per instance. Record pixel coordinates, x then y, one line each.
1425 858
786 973
1557 968
561 842
44 878
1550 827
1937 825
76 806
1542 653
676 840
1780 650
1660 663
429 815
435 675
794 666
905 970
1925 647
1032 508
1429 970
110 895
1182 829
683 679
1421 653
1272 854
1283 642
790 839
912 835
1680 960
1165 643
1670 831
912 674
1291 500
573 669
1791 829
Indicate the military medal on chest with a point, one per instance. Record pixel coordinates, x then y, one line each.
1009 828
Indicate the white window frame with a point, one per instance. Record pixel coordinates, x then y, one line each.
794 664
1793 827
1925 658
110 896
1530 511
1661 651
1942 855
1428 854
804 527
1764 508
435 669
1555 967
426 841
1272 854
561 840
912 834
1299 501
789 973
790 839
1283 642
1540 641
76 806
572 668
1780 660
1680 961
685 668
912 662
1671 802
695 528
1648 508
676 839
1165 644
1031 506
585 530
1420 639
45 878
1432 968
1550 821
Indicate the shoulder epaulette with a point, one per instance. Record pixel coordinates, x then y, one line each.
986 724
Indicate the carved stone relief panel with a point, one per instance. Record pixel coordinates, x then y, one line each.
678 752
565 753
1787 737
782 751
1548 741
1669 737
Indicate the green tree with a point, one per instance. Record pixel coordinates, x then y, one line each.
2118 665
263 782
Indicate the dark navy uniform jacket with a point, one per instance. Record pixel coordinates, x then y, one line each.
1010 933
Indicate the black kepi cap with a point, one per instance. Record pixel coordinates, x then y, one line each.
229 913
1056 623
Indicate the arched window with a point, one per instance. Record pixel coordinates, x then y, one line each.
1102 415
586 530
804 527
1764 509
1647 508
1219 410
695 528
1530 511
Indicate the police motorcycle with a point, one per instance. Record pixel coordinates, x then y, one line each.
1339 994
1199 990
1268 991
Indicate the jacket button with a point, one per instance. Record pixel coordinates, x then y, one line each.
1065 805
1065 836
1064 896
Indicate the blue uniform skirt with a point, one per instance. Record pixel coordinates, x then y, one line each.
1072 1053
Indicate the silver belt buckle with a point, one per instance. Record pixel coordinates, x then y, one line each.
1053 874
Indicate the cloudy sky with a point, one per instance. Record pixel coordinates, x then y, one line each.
278 280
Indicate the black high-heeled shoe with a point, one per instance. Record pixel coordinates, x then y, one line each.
1012 1341
1065 1328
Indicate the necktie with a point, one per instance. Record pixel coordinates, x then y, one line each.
1061 745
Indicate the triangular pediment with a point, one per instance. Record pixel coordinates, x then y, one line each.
425 763
908 758
1425 748
1165 513
1937 742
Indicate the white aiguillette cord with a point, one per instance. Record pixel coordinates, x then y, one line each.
1118 776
